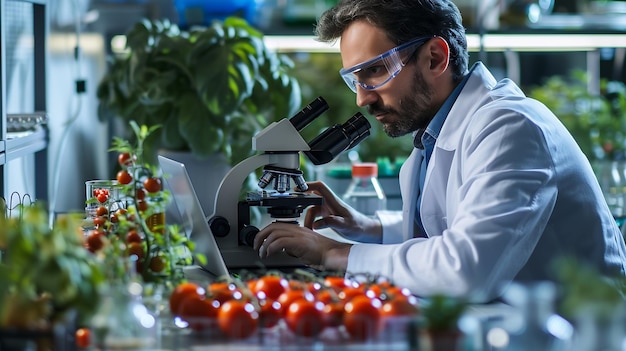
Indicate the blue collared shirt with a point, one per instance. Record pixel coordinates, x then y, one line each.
425 139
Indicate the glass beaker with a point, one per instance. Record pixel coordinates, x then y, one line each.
101 192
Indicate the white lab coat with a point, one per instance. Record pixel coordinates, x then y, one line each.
507 191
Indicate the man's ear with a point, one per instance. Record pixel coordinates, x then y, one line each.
439 55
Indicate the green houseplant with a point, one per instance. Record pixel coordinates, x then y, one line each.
596 120
211 88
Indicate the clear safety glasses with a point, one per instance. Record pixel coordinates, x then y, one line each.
381 69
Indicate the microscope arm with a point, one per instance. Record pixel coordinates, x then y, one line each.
227 198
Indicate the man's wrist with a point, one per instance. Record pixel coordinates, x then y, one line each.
337 257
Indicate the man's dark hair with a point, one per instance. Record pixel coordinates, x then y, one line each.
402 20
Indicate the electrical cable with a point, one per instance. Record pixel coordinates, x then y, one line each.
56 174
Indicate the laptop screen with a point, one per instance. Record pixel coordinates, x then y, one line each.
187 212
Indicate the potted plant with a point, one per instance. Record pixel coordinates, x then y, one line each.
211 88
441 314
49 283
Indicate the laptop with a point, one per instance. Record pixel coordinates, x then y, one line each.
188 213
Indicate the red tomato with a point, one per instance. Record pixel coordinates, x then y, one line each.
237 319
125 159
99 221
362 317
83 338
123 177
101 211
95 240
157 264
290 296
223 291
350 293
142 205
135 249
179 293
102 198
333 314
198 311
327 296
336 283
272 285
271 313
305 317
152 184
399 306
133 236
140 194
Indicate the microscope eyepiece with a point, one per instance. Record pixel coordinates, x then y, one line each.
309 113
338 138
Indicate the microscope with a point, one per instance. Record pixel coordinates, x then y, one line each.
279 146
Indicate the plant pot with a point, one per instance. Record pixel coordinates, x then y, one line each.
54 336
443 340
206 174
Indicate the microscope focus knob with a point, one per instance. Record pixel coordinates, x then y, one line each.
219 226
247 234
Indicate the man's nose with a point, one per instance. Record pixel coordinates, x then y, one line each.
365 97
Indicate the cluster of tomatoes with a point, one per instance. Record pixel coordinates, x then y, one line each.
150 183
101 194
305 308
110 213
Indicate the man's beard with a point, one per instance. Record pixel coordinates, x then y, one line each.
416 109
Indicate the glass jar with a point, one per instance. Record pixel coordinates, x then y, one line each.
101 192
123 322
534 325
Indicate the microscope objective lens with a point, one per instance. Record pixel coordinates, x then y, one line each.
282 183
265 179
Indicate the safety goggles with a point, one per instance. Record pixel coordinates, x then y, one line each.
374 73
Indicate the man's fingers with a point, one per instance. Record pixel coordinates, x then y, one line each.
274 245
311 213
259 239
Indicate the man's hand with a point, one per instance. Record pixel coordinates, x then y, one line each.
303 243
336 214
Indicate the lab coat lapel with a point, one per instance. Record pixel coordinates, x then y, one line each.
438 204
433 206
409 187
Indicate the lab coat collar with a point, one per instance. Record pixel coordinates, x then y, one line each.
480 81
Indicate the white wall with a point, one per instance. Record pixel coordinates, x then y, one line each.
78 141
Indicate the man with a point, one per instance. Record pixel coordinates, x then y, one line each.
496 187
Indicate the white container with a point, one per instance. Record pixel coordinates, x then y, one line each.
364 192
